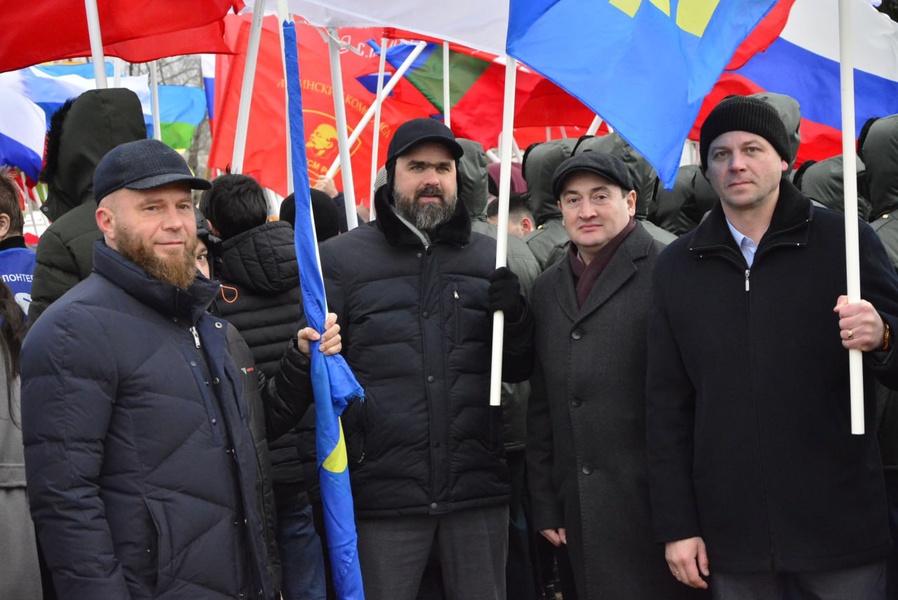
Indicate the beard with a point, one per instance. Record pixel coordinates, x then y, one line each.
177 270
426 216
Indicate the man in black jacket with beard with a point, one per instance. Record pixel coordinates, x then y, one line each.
755 478
416 290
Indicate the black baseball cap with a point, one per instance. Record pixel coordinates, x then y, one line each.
142 165
417 131
607 166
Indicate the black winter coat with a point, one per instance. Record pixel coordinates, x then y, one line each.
143 476
97 122
261 297
749 434
417 333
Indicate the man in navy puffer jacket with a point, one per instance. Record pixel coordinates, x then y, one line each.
142 472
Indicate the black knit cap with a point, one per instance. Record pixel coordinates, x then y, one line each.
417 131
607 166
742 113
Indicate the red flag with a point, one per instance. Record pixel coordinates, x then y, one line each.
265 155
134 31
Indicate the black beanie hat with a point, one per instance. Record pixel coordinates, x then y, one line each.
743 113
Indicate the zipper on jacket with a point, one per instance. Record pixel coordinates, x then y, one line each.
196 337
747 274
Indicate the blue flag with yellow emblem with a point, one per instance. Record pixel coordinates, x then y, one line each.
332 380
644 66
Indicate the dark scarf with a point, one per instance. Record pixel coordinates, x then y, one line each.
585 276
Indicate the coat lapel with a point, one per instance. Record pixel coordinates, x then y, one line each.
621 268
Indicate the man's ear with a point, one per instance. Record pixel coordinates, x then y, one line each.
105 221
4 225
212 228
630 197
527 225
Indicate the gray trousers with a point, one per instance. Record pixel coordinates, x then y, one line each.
867 582
472 547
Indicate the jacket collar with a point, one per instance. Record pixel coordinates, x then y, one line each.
457 230
791 218
620 269
13 241
262 259
167 299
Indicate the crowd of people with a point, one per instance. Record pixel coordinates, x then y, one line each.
674 420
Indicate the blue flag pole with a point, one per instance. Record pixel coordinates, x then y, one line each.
333 383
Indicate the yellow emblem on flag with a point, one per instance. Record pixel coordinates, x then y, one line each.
336 461
693 16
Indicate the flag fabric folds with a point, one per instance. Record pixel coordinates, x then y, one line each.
36 32
266 143
49 86
803 62
181 109
644 66
476 24
476 89
22 128
333 383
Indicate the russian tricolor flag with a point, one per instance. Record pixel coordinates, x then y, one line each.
23 127
804 63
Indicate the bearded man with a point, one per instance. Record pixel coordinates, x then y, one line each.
143 473
416 290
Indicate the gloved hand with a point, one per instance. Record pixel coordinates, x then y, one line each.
505 294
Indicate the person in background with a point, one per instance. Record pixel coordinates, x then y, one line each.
520 219
16 259
81 132
20 576
260 296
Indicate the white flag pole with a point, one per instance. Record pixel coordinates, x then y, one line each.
502 234
283 13
246 89
447 96
375 130
117 65
154 99
849 175
96 43
396 78
594 126
352 220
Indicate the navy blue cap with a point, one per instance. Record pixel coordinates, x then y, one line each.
142 165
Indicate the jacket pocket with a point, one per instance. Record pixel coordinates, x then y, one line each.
164 575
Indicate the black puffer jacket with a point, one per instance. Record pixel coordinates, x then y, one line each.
142 471
260 296
416 331
473 186
97 122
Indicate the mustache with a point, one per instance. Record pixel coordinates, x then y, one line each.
430 190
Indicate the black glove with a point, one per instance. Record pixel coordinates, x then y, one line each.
505 294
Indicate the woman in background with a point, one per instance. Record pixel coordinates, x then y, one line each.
19 571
